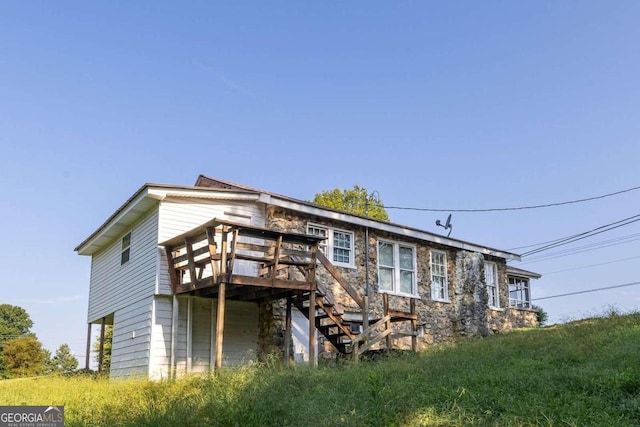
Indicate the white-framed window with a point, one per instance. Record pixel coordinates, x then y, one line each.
338 245
439 286
491 279
519 295
125 252
397 268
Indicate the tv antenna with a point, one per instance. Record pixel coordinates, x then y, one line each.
447 225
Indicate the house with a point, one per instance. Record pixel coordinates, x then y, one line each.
220 274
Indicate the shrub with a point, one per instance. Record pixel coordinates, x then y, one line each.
541 315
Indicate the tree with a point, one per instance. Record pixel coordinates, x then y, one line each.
14 323
23 356
64 362
353 201
108 338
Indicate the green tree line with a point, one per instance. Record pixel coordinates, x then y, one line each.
22 355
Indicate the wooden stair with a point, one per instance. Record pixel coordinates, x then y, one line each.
329 319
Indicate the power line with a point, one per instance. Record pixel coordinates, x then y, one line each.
518 208
549 241
587 291
591 265
584 235
578 250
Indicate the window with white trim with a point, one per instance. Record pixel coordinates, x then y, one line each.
439 287
396 268
519 295
338 245
491 279
125 252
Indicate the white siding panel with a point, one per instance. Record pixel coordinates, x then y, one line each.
161 338
202 324
181 343
131 339
114 286
180 215
240 335
240 343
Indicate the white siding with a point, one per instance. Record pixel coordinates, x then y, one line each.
240 345
180 215
160 356
131 339
300 335
114 286
240 335
201 335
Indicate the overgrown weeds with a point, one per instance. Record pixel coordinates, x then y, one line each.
583 373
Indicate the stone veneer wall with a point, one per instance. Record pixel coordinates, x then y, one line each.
465 315
471 296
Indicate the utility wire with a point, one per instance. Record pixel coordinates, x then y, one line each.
587 291
579 250
591 265
603 243
518 208
584 235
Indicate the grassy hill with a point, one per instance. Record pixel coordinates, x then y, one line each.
585 373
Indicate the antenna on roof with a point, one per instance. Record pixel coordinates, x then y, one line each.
447 225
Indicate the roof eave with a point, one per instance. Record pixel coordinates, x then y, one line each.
142 201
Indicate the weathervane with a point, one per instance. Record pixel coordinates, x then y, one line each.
447 225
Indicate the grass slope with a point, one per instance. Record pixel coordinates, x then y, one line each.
586 373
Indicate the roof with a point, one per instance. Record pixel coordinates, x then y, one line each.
312 208
514 271
141 202
149 195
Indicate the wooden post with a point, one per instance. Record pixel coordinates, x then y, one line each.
312 328
276 258
232 261
101 351
192 264
414 326
287 334
223 255
173 275
88 353
213 249
221 298
220 324
385 302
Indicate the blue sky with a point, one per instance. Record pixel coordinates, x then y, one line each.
432 104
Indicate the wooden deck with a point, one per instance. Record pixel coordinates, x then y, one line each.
228 260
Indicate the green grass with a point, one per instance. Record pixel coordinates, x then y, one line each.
586 373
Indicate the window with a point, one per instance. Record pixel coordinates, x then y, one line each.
126 248
491 279
439 288
321 232
338 245
519 295
396 268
